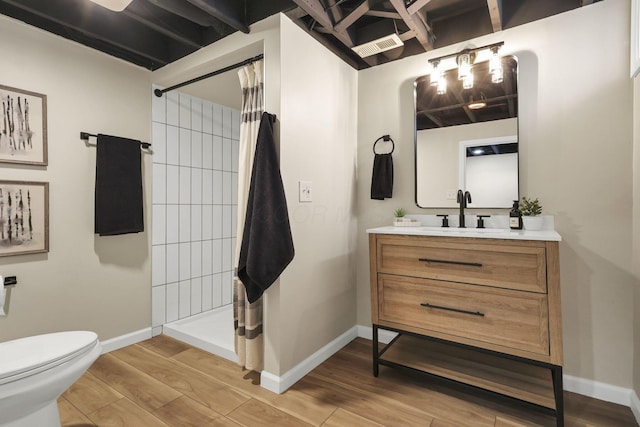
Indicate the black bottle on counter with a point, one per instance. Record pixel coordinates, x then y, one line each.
515 217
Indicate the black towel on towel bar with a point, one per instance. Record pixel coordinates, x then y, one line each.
267 245
382 177
118 194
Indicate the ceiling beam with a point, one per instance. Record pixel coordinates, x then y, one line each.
352 17
317 12
416 6
165 23
383 14
414 22
495 12
183 9
296 13
230 12
94 22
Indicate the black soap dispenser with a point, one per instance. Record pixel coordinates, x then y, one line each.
515 217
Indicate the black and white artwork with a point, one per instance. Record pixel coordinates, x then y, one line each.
23 128
24 217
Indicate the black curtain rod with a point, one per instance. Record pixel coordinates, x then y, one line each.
85 137
160 92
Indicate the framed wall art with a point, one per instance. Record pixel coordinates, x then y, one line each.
24 217
23 127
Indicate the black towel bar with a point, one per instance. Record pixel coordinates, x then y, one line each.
10 281
85 137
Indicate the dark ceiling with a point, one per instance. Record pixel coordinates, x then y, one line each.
153 33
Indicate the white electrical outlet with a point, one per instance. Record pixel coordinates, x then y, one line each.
451 194
304 194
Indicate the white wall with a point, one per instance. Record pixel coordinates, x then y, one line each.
195 191
85 281
318 144
576 147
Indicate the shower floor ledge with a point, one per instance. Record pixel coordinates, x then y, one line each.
210 331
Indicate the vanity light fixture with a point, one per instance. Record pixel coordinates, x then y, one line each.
115 5
438 78
464 65
467 81
464 61
436 73
495 65
442 85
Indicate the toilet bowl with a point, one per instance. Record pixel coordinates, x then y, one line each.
35 371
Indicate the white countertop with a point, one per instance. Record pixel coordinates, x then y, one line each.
497 228
483 233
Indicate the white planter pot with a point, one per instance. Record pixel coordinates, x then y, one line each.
532 223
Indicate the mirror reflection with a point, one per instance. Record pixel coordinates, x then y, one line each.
467 137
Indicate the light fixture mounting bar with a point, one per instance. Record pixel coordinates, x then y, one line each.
470 51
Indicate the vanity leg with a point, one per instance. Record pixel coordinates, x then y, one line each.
374 346
556 374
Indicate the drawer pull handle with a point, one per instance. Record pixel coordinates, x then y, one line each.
457 310
444 261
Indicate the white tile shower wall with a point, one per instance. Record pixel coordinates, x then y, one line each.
195 179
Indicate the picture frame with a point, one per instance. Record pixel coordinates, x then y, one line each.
24 217
23 127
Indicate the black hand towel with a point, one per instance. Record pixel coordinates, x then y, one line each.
118 196
382 178
267 245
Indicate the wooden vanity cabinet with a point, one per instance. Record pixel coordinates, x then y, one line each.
483 312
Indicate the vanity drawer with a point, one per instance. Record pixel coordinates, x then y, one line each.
519 265
462 312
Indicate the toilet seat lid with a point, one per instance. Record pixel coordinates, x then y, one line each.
27 356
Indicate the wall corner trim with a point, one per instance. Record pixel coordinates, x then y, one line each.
125 340
280 384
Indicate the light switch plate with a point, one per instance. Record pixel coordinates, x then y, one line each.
304 194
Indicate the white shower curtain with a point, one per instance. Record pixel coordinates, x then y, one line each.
248 317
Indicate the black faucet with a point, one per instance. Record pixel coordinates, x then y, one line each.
463 199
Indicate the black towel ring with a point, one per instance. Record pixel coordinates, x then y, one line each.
384 138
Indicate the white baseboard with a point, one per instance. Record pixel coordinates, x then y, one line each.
595 389
280 384
384 336
125 340
635 406
598 390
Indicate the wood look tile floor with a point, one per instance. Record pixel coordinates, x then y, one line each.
164 382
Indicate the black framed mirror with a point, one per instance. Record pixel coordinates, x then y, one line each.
467 138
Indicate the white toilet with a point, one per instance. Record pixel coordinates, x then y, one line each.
35 371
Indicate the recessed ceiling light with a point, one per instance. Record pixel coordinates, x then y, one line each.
477 105
115 5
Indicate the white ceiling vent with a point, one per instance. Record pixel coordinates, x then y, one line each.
373 47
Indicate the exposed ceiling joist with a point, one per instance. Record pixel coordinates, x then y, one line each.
383 14
165 23
184 9
416 6
495 12
352 17
414 23
228 11
153 33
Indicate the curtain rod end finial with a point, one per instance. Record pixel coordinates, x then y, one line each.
158 93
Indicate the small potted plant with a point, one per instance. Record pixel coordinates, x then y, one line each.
399 219
531 210
398 216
